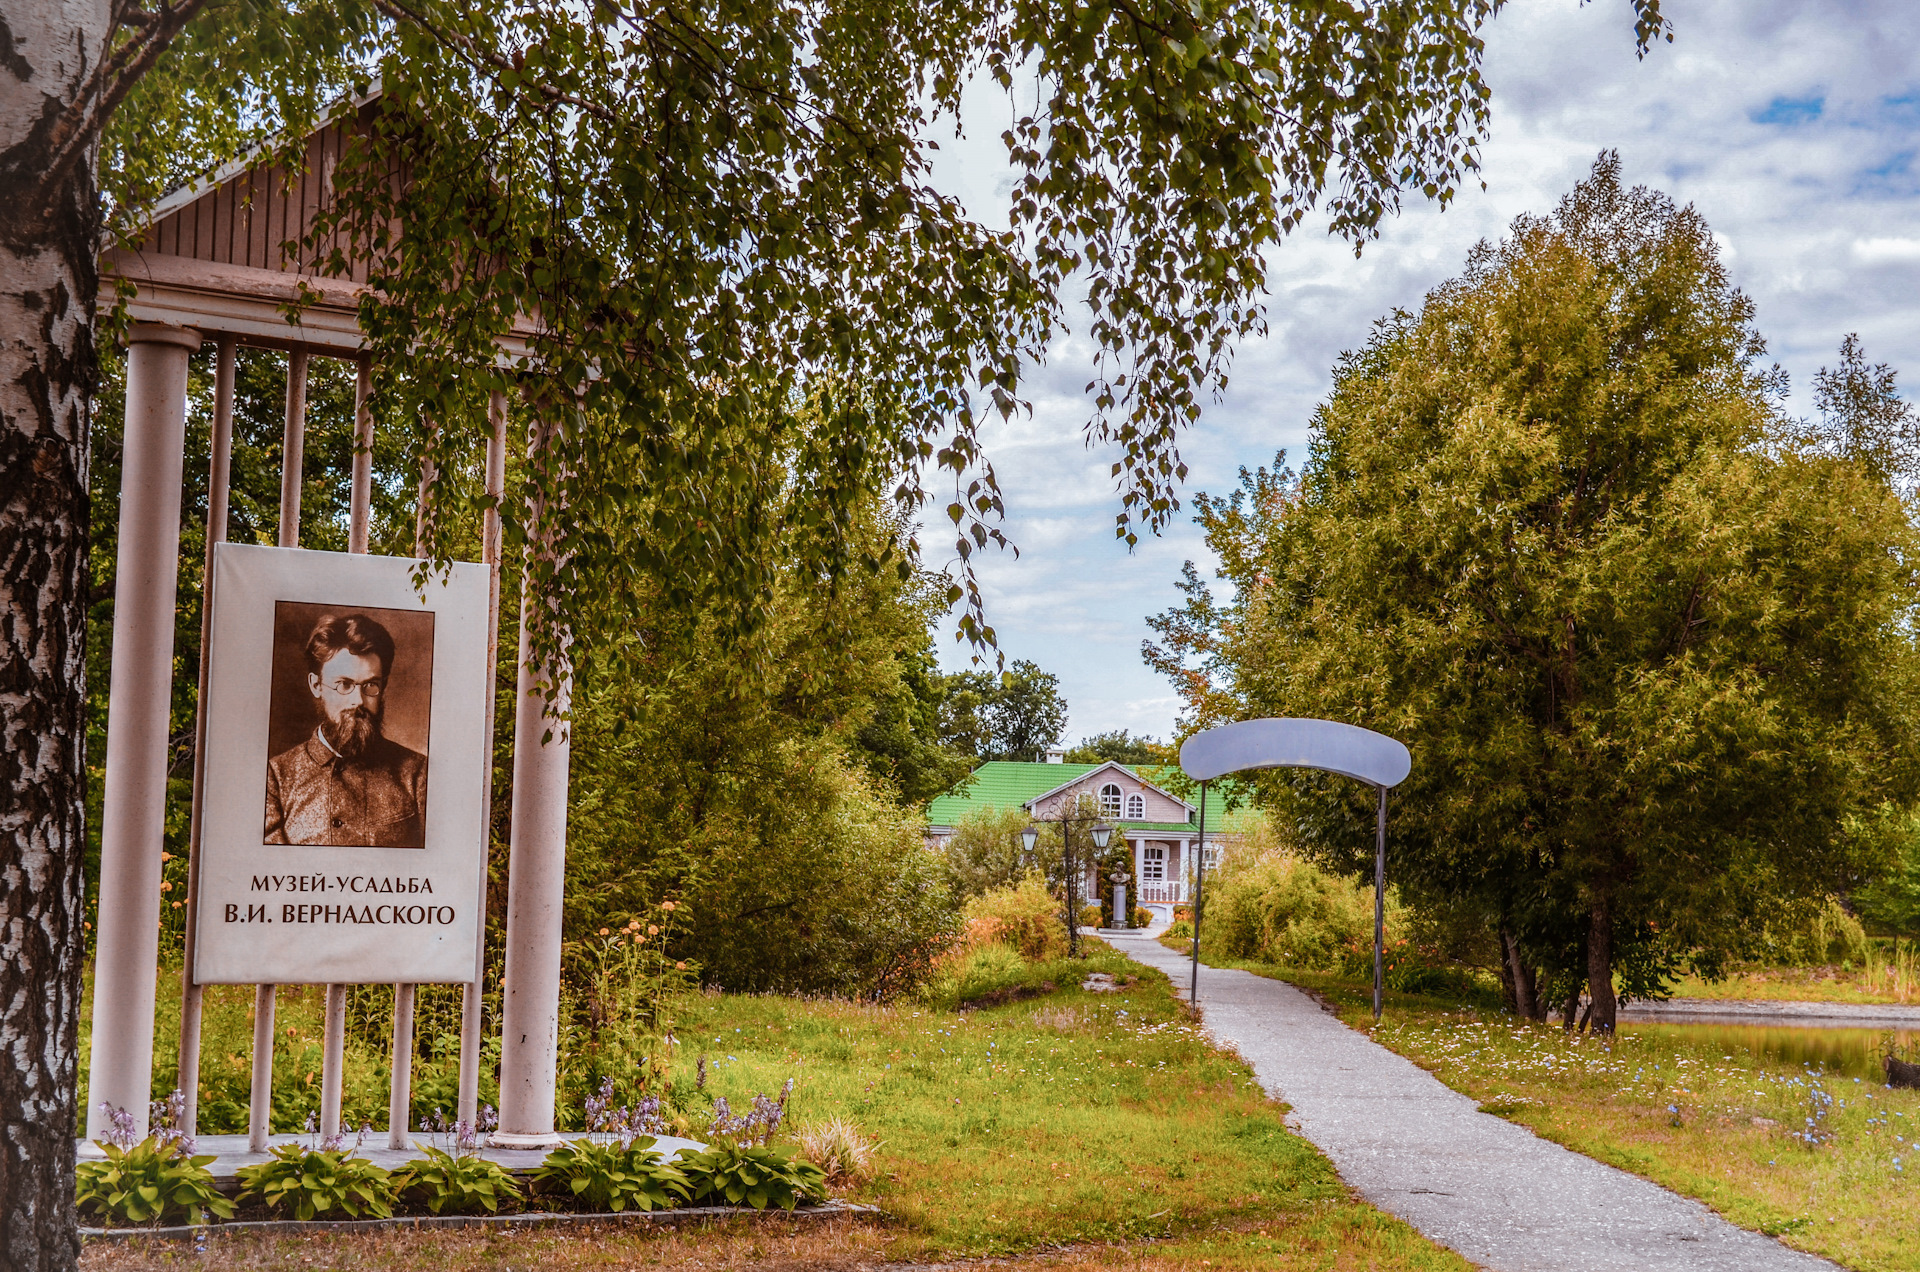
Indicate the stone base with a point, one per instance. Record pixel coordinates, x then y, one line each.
513 1142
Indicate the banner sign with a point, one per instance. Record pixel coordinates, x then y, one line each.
342 825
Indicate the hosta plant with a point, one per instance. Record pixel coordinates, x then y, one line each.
612 1177
314 1182
459 1185
151 1181
751 1176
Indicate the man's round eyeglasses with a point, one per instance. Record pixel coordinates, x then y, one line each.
372 688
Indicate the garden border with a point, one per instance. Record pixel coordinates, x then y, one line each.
534 1219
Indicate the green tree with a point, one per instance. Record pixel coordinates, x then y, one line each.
985 851
1120 746
1864 418
1651 654
1017 714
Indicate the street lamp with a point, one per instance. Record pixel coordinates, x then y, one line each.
1101 833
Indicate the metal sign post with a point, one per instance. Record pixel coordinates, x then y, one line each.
1326 745
1199 882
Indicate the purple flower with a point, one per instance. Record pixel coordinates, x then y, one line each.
122 1131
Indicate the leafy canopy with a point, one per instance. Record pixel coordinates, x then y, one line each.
1650 652
709 210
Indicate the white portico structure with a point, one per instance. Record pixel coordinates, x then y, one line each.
226 261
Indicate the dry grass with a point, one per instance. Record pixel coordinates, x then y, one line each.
839 1147
1890 973
1328 1237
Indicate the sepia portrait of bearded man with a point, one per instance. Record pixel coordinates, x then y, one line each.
348 784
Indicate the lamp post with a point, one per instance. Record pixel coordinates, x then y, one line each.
1101 833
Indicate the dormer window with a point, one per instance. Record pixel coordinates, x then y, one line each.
1136 808
1109 800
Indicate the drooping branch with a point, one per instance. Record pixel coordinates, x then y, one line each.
41 163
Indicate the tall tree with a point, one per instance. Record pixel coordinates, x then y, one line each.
1120 745
1017 714
1650 654
707 207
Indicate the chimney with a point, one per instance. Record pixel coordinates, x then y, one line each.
1056 756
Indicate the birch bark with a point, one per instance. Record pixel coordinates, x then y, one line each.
48 281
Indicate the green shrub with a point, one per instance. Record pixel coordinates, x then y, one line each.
1277 908
757 1177
1141 917
1025 916
985 853
844 898
1182 929
313 1182
613 1177
148 1183
1092 916
460 1185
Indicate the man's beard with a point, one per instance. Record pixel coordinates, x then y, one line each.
351 732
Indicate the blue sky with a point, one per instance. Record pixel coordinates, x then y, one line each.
1792 126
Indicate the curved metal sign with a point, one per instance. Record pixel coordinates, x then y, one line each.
1345 749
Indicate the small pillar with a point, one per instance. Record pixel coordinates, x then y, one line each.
134 805
536 891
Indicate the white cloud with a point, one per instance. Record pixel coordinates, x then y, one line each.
1792 128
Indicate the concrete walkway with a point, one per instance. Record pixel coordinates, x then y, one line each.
1494 1191
1760 1011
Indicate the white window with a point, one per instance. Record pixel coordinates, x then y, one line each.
1136 808
1109 800
1211 854
1153 863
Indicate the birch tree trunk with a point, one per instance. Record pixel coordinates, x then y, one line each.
48 281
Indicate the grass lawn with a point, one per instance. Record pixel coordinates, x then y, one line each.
1070 1129
1708 1119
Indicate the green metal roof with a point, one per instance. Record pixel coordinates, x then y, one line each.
1011 783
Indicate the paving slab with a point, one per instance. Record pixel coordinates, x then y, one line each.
1761 1011
1491 1190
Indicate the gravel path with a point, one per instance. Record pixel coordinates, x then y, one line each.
1494 1191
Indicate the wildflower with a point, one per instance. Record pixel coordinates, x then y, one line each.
603 931
652 930
667 906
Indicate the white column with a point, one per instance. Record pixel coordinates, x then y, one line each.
536 879
260 1106
1184 872
219 470
360 497
400 1090
333 1048
470 1002
536 888
134 807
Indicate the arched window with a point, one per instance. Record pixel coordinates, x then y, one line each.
1136 808
1109 800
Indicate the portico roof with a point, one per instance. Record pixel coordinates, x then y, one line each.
225 255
